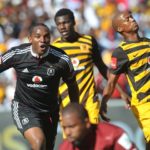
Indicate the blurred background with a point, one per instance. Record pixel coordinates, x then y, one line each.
92 17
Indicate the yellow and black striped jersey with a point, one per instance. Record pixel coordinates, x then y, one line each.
133 59
84 52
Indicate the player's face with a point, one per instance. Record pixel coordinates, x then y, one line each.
40 39
74 128
65 26
127 22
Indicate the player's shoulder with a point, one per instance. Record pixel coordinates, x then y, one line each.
24 46
110 127
58 53
54 49
146 39
57 40
88 36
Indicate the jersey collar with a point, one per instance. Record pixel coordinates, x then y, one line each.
36 55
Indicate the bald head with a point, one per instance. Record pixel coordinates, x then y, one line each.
115 21
76 108
118 19
123 22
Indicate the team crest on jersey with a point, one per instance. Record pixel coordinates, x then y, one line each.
84 47
37 79
75 62
51 71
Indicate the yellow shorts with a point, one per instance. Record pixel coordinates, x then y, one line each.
93 112
142 113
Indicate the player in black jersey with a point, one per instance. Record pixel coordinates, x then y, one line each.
131 57
39 67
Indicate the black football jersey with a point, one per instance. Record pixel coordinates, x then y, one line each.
38 78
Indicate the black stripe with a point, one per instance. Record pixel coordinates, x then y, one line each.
138 58
70 48
85 43
65 93
136 48
85 97
140 69
142 95
79 54
139 83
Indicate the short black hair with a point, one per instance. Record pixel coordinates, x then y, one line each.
36 25
63 12
75 108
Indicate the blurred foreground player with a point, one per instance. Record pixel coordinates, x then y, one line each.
82 135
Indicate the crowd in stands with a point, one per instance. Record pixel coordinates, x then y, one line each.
93 17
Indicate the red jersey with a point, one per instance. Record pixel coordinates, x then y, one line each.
103 136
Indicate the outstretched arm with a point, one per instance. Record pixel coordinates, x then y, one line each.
108 90
124 96
104 70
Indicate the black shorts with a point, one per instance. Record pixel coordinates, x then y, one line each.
25 118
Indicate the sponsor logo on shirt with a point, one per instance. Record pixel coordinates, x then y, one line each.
114 63
37 85
37 79
75 62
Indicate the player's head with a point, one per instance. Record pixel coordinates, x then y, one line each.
39 37
75 122
123 22
65 22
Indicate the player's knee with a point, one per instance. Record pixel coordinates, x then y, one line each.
39 144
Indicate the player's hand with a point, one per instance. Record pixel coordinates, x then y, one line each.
103 111
127 100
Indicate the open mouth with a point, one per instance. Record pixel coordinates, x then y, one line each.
43 46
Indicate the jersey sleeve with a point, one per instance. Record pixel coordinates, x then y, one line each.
7 60
124 143
119 61
68 71
96 51
97 58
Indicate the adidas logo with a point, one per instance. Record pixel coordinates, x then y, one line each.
25 70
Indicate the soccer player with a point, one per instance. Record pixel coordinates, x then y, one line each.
82 135
132 57
39 67
84 53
